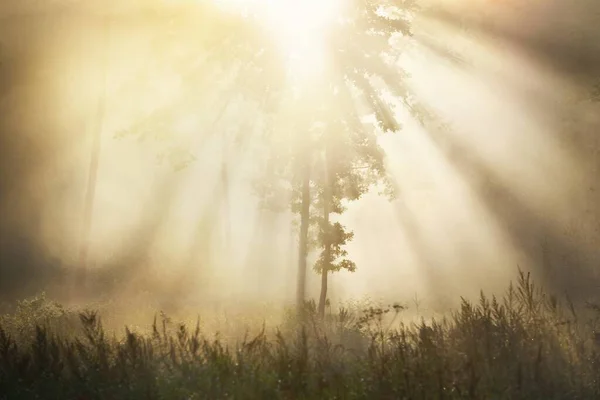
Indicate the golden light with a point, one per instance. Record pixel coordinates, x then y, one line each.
298 27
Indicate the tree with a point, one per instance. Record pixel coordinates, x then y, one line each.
340 163
214 42
327 155
94 157
334 157
351 163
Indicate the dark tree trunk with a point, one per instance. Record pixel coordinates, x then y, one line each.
303 242
323 296
326 252
327 199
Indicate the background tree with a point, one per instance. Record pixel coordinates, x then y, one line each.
227 70
94 156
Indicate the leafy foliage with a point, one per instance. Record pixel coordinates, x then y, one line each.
338 237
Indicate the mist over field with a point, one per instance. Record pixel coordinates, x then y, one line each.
505 177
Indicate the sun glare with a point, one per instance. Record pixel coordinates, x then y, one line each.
298 27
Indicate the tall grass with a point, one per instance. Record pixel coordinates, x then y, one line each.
526 345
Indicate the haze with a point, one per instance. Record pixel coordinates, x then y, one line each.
504 176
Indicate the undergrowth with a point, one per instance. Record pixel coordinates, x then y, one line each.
526 345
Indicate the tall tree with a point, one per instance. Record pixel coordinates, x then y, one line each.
334 156
98 127
325 153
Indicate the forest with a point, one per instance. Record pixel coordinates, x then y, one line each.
299 199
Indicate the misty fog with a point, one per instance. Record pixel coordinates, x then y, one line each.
504 177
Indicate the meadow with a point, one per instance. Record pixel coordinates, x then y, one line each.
524 345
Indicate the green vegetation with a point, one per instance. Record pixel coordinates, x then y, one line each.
523 346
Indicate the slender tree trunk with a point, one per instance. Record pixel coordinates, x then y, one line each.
303 245
327 199
94 161
326 252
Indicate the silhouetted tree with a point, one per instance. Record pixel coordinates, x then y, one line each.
333 156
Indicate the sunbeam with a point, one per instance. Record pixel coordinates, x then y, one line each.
285 151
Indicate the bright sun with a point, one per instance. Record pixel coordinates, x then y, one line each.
297 26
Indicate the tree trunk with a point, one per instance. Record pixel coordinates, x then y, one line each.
327 198
323 296
303 243
326 252
94 162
